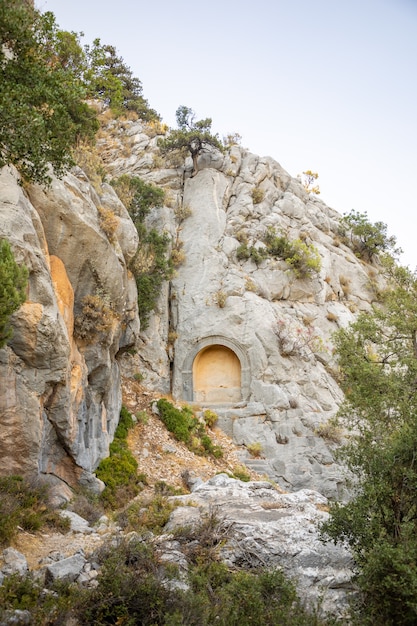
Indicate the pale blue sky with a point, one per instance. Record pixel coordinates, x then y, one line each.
328 85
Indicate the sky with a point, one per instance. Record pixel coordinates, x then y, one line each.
328 86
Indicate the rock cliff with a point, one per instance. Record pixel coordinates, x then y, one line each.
60 393
236 329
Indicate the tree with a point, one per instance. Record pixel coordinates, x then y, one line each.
192 136
308 179
109 78
378 372
42 107
367 239
13 282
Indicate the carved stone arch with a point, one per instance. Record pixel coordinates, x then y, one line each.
213 357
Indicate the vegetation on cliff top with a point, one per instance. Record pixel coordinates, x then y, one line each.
193 136
45 78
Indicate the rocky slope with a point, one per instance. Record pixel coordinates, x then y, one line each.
258 525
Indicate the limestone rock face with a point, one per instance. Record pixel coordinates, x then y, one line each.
274 530
247 337
60 383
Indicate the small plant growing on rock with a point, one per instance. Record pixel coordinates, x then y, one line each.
241 473
96 317
255 449
303 259
308 180
220 298
295 340
147 514
330 431
108 222
182 213
332 317
210 418
178 256
258 195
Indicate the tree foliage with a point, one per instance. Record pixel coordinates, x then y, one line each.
367 239
378 367
13 282
42 108
108 77
191 136
46 76
308 180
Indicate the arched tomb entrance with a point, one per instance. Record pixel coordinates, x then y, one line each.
216 375
216 371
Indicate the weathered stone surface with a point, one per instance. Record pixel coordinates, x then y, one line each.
217 310
78 523
60 389
14 562
66 570
279 326
272 529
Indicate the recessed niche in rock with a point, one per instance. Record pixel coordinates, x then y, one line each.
217 375
216 371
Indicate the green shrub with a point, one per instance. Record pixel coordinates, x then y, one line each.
119 471
243 252
26 593
241 474
210 448
257 255
151 265
186 428
133 587
180 422
302 258
24 504
151 515
367 239
13 283
210 418
125 424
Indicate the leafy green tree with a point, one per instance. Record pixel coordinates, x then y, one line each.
367 239
191 136
42 107
13 282
378 373
109 78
